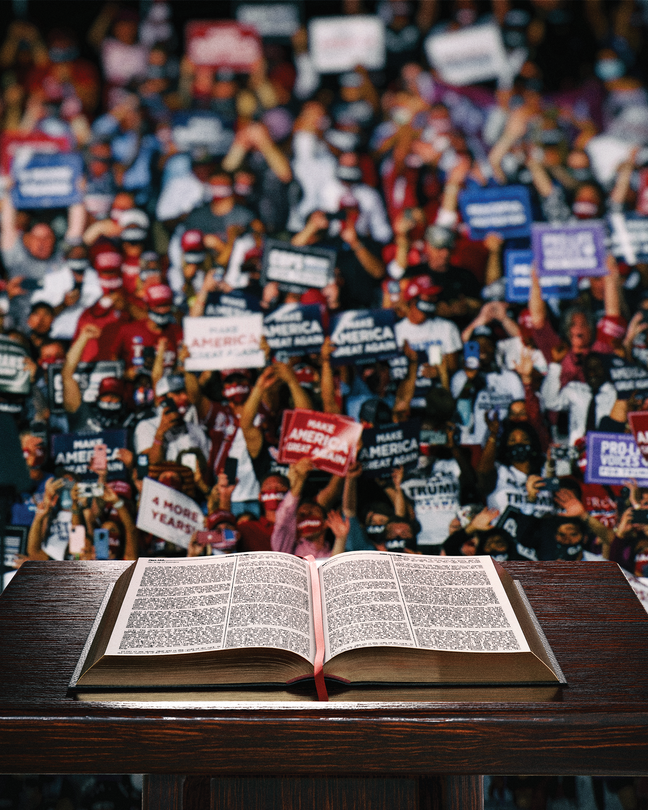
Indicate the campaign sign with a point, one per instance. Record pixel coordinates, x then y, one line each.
474 54
575 250
338 44
613 458
296 269
294 329
505 210
329 440
639 426
226 305
47 181
628 238
218 343
167 514
626 377
518 279
271 20
520 528
74 452
223 44
15 143
14 375
87 375
389 446
15 543
363 336
195 129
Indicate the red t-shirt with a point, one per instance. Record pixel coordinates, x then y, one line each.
255 535
132 338
104 319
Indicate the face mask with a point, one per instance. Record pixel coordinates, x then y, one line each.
309 526
583 209
108 406
376 532
242 189
271 500
608 69
519 452
236 392
349 174
219 192
582 175
396 544
161 319
427 307
78 265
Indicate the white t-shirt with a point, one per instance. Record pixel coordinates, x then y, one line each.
509 353
434 491
501 389
510 490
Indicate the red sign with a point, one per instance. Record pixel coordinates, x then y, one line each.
12 142
329 440
639 427
223 44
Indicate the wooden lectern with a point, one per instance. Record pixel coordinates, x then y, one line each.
378 749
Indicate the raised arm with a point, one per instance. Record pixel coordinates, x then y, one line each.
72 397
327 380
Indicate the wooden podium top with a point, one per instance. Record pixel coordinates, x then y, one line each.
598 724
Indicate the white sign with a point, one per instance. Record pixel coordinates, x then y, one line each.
168 514
270 19
606 153
474 54
341 43
219 343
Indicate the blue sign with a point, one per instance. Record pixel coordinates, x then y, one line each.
628 238
505 210
574 250
47 181
389 446
626 377
363 336
74 452
293 329
226 305
614 458
518 279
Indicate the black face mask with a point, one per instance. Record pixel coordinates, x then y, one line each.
161 319
519 452
426 307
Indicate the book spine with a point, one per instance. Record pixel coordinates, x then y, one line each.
318 625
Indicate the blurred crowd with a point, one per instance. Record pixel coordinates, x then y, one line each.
188 169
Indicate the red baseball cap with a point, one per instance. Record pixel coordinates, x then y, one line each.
611 327
111 385
107 262
420 285
193 246
222 516
158 295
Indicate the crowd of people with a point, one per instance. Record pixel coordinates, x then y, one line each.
370 164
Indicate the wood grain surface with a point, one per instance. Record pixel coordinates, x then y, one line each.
598 724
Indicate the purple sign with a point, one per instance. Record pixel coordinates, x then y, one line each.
574 250
614 458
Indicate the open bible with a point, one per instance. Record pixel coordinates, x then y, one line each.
268 618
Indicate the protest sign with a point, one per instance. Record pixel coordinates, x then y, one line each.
520 528
363 336
294 329
626 377
398 367
575 250
613 458
389 446
277 21
341 43
606 152
47 181
505 210
329 440
218 343
168 514
639 426
225 305
223 44
87 375
474 54
14 374
15 143
518 279
74 452
296 269
628 239
195 129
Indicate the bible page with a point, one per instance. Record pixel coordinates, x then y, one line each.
195 604
379 598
